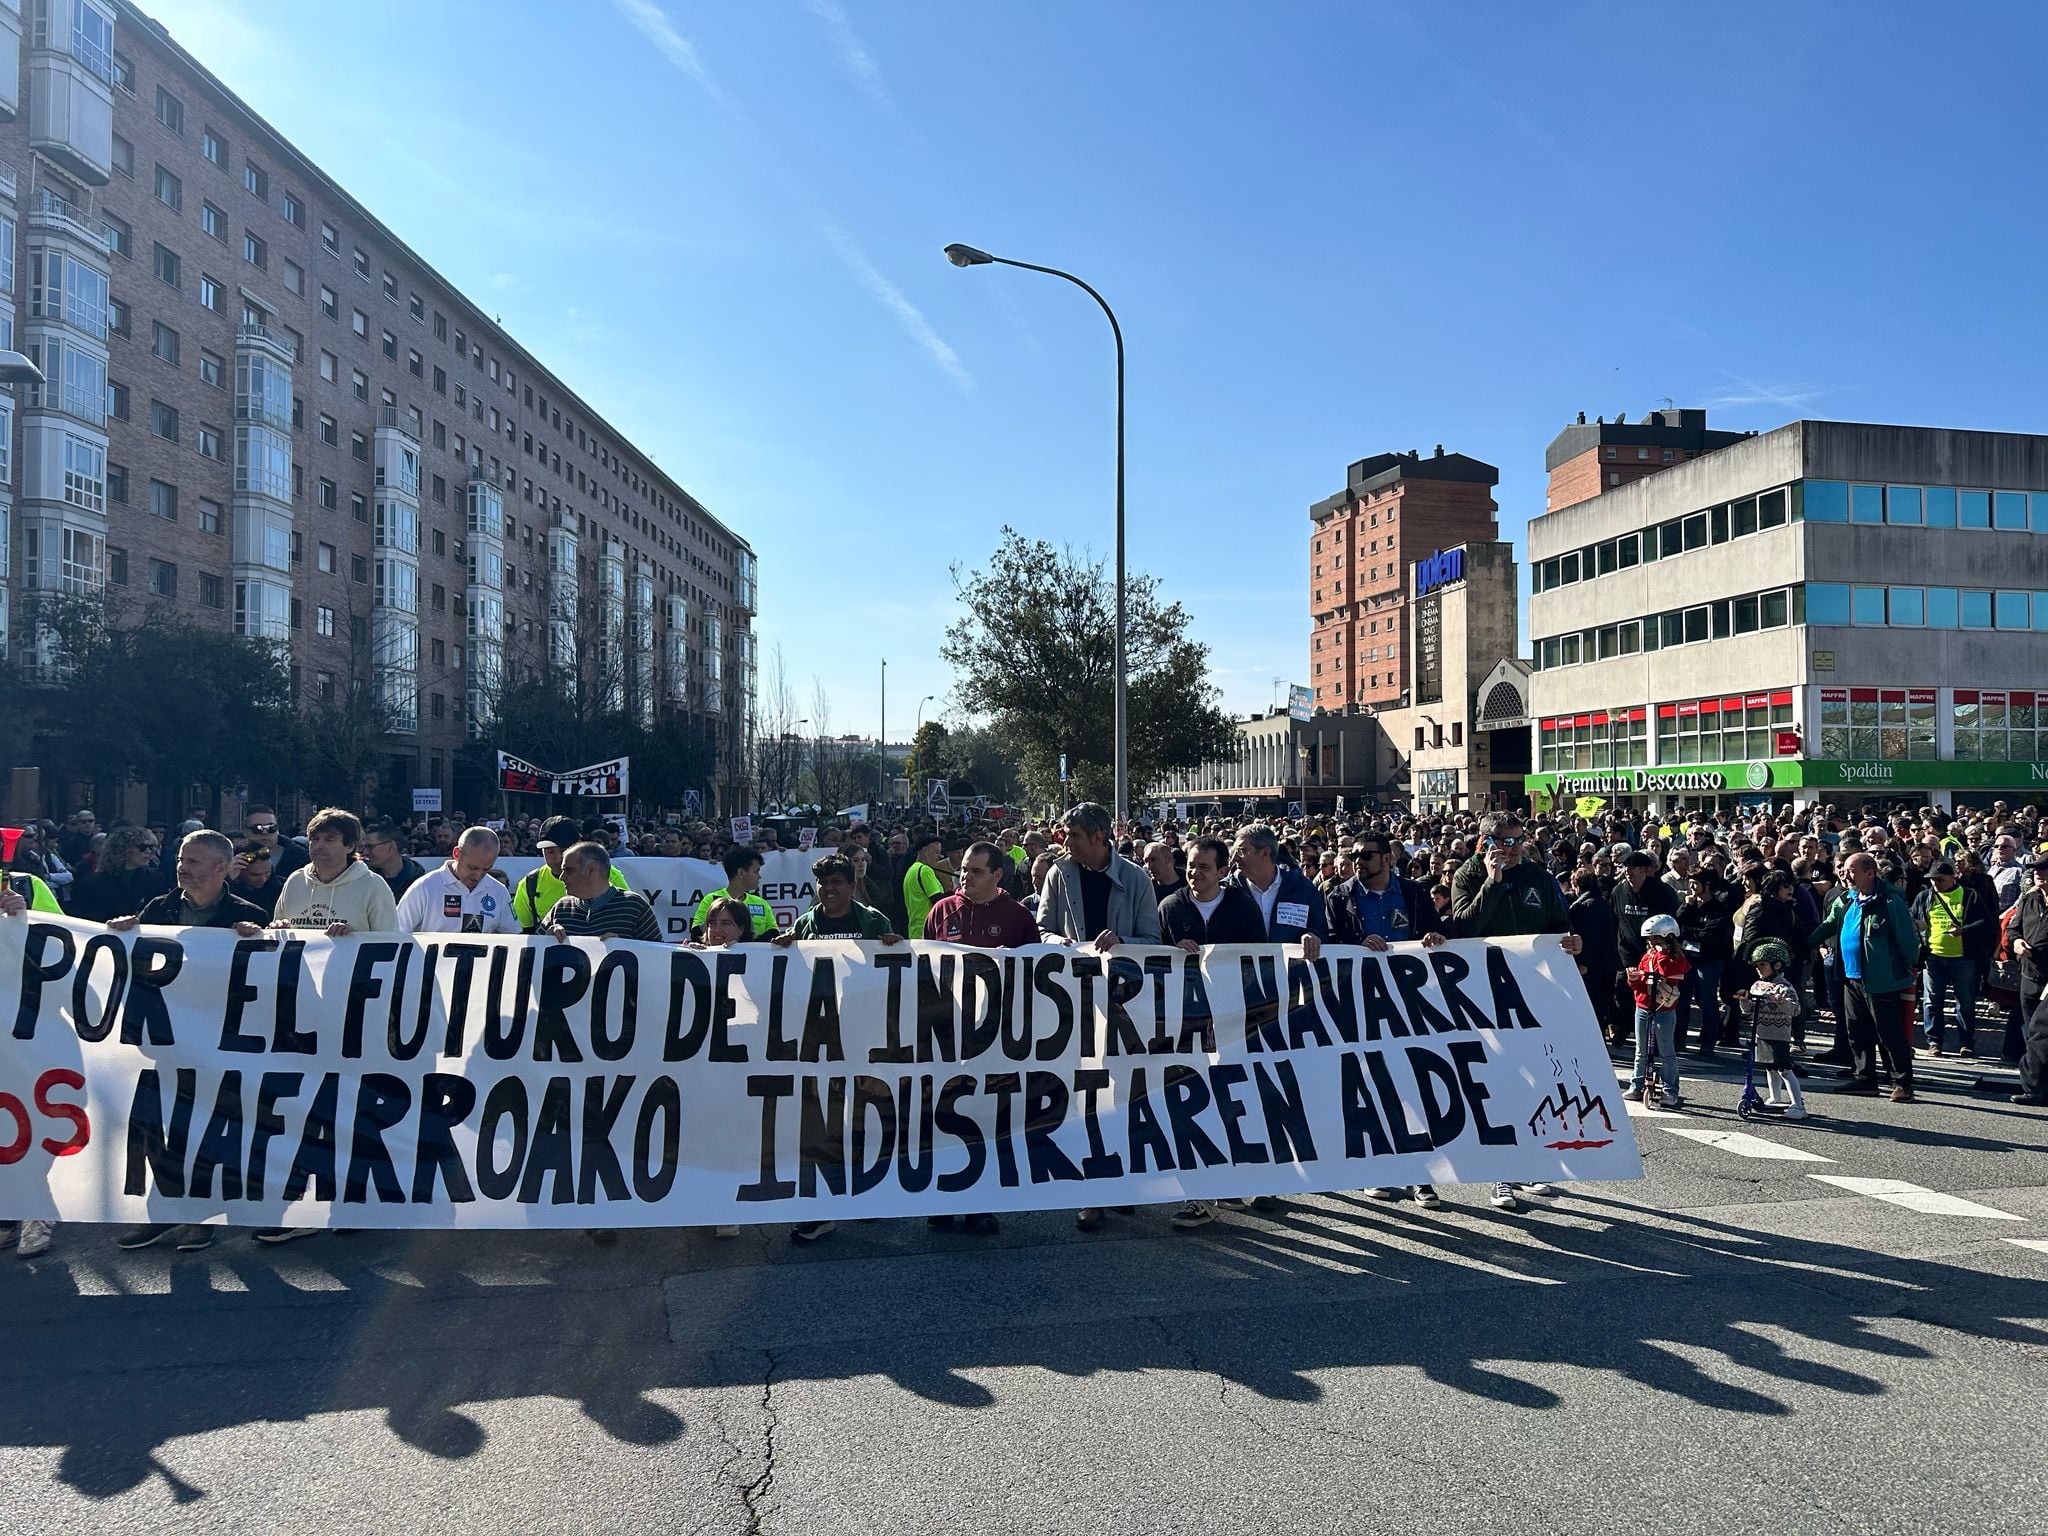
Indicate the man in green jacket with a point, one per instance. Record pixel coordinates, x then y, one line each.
1870 928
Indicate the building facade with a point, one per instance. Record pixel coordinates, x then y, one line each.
1831 611
1462 611
1394 509
263 410
1585 460
1332 755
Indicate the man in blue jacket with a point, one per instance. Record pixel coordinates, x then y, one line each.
1376 907
1288 899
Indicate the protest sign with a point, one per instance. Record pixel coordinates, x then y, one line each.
674 886
464 1081
602 780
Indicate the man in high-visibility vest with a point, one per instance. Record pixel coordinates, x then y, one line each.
535 893
742 883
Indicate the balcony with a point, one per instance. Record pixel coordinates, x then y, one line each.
250 336
48 211
390 418
71 105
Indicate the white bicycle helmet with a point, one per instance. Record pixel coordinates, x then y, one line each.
1662 926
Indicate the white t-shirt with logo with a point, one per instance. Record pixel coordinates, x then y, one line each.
437 902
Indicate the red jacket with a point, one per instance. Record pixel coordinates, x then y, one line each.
1656 962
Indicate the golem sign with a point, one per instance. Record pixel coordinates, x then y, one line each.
1440 569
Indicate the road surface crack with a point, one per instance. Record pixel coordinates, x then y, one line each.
753 1495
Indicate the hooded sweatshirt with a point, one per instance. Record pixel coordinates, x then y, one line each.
359 896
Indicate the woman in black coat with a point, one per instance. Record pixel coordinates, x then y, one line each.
129 875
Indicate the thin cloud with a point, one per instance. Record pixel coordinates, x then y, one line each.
1785 396
653 24
891 298
854 57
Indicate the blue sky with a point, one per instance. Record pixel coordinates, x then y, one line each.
1328 229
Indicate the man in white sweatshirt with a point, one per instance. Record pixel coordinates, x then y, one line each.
334 894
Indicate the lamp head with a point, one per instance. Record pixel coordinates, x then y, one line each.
967 256
17 369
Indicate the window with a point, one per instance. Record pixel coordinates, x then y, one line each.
117 401
415 365
330 432
359 384
214 147
2012 610
117 317
1866 503
1906 606
294 277
1976 509
168 268
390 287
361 261
359 446
415 307
294 211
2009 511
209 442
163 500
163 420
330 367
441 388
163 578
212 592
214 222
209 292
170 111
358 569
209 516
117 564
359 507
389 346
1825 501
124 156
359 323
254 251
256 179
165 346
1976 610
1941 506
1902 504
169 190
117 484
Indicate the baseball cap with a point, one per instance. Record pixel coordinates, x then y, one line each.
558 832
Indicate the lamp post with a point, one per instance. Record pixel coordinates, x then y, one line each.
882 737
968 256
913 766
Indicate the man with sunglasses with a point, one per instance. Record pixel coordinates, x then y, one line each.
260 822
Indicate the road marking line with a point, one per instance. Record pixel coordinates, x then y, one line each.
1742 1144
1915 1198
1642 1111
2038 1244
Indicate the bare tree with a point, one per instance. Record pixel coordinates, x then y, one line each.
779 750
842 767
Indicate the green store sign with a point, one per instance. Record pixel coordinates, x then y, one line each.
1765 775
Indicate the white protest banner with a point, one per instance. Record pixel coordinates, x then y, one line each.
463 1081
675 886
602 780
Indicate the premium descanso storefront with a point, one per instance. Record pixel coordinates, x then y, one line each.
1720 786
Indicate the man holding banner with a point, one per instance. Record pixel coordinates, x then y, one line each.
742 884
534 897
460 896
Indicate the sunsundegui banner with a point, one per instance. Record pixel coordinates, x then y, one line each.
464 1081
675 886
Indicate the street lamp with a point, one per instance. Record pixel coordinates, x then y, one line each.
16 369
968 256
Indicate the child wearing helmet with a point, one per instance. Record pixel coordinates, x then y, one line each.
1772 1007
1655 980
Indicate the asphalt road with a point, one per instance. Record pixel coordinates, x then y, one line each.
1733 1343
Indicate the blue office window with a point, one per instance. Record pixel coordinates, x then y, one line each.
2041 610
2014 610
1826 501
1941 506
1866 503
2009 510
1902 504
1976 509
1908 606
1866 605
1976 610
1941 608
1827 602
2040 511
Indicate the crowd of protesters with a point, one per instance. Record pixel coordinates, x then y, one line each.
1806 924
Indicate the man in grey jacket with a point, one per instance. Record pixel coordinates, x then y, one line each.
1093 895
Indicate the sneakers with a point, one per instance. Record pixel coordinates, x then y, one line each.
145 1237
1427 1197
1088 1218
1795 1113
1671 1101
1268 1203
810 1231
195 1239
729 1230
2017 1098
1544 1191
1383 1192
1504 1199
983 1224
1902 1093
1196 1213
293 1234
34 1238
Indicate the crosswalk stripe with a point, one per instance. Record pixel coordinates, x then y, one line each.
1742 1144
1642 1111
1915 1198
2038 1244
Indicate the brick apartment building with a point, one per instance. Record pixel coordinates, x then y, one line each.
1394 510
1585 460
263 408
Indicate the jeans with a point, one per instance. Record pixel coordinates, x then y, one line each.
1878 1030
1702 986
1944 973
1662 1028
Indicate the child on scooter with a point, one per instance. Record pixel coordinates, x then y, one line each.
1772 1007
1654 981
